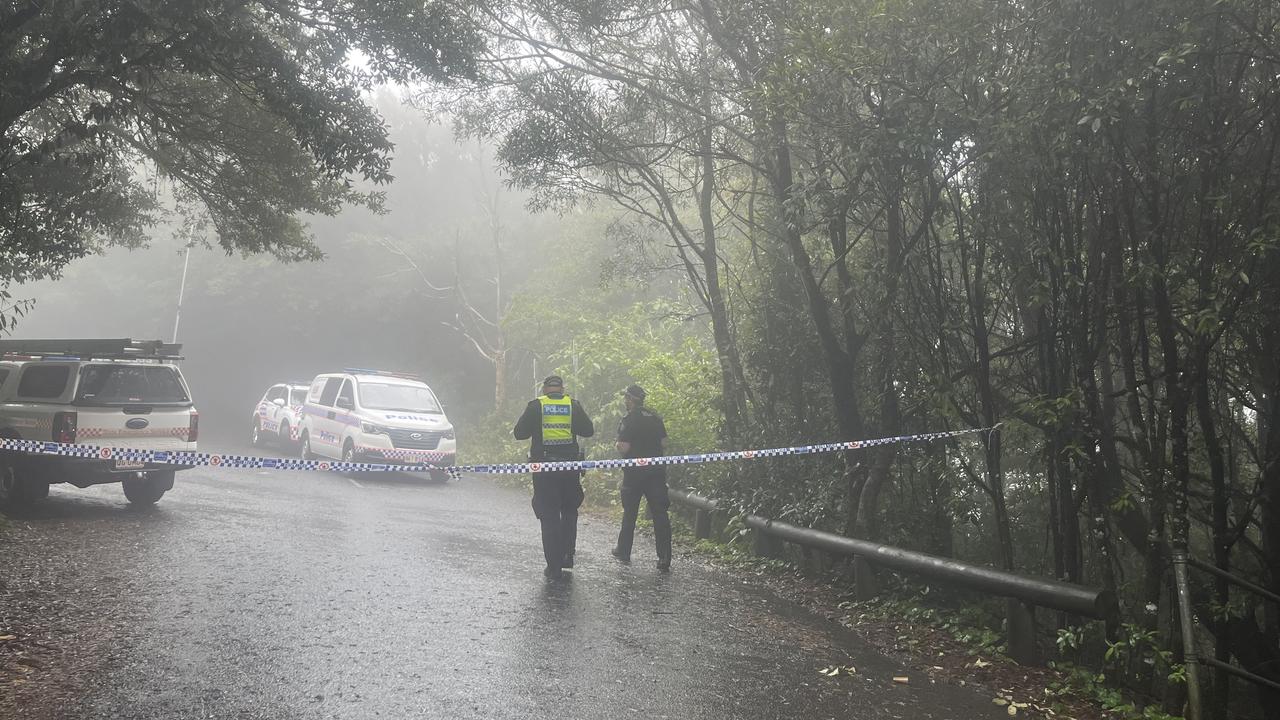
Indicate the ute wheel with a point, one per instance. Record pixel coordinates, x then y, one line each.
305 448
147 488
255 436
286 435
16 488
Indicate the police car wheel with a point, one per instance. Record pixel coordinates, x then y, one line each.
143 490
255 437
286 435
15 488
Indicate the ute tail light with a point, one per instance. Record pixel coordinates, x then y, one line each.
193 430
64 427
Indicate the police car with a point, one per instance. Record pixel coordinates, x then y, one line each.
376 416
278 416
109 393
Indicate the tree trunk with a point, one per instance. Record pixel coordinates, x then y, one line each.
732 382
839 365
1220 696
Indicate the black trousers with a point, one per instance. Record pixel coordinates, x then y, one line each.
653 489
556 499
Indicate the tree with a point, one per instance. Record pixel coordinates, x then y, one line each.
253 111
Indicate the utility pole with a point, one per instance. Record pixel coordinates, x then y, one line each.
182 289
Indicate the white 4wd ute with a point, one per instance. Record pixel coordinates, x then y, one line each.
379 417
117 393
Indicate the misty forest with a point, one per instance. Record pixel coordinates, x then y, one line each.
790 222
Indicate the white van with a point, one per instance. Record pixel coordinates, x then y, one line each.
376 416
112 393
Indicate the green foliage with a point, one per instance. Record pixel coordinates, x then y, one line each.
252 114
1137 645
1082 682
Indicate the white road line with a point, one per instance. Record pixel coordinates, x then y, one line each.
353 482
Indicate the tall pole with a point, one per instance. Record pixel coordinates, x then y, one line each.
182 289
1190 659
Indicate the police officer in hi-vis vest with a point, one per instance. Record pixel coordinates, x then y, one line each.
553 422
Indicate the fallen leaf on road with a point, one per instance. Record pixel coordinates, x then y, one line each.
1013 709
6 638
1000 701
980 663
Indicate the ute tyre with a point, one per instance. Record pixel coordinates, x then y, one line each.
17 488
146 489
304 448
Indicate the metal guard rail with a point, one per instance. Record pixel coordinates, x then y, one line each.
1068 597
1029 592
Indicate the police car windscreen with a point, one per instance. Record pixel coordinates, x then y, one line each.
404 398
298 396
130 385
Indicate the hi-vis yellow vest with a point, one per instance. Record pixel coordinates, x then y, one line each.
557 420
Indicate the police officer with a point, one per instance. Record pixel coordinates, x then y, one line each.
553 422
640 435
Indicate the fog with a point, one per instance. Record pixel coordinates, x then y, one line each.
249 322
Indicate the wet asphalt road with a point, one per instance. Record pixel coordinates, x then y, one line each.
245 594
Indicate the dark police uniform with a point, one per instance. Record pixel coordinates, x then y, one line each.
556 495
645 431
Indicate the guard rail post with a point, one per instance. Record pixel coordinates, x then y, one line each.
1021 619
865 586
701 523
765 545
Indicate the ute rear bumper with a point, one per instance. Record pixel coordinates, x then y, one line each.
83 472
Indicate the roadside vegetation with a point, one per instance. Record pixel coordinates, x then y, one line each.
900 218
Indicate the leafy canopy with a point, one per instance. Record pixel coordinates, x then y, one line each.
252 112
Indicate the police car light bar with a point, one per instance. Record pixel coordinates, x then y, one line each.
385 373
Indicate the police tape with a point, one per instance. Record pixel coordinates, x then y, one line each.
699 458
183 458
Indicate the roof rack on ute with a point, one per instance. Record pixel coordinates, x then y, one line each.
386 373
92 349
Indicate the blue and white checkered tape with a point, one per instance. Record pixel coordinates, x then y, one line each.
199 459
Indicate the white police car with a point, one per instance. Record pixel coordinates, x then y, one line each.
376 416
278 416
104 392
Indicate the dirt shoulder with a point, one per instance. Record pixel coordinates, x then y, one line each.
935 655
